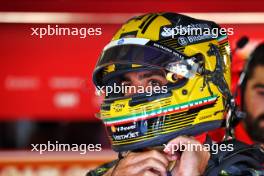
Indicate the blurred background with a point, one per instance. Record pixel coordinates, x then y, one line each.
46 91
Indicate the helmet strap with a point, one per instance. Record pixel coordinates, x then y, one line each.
234 116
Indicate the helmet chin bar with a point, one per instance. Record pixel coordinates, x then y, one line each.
192 131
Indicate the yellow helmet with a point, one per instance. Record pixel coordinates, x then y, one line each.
195 101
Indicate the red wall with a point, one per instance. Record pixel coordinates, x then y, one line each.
33 62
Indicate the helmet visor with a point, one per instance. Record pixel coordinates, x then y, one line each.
136 54
137 57
124 54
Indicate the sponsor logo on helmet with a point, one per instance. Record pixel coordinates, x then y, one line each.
129 135
126 128
183 41
118 107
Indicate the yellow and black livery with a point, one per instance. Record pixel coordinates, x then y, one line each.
194 103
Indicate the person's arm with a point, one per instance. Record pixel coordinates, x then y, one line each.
155 163
147 163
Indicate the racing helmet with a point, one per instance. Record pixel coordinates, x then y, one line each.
193 55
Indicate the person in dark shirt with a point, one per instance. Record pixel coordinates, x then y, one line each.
251 129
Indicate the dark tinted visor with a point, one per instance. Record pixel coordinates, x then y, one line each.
136 54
